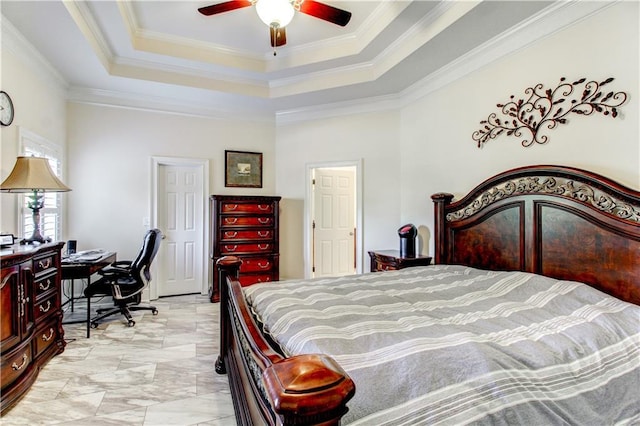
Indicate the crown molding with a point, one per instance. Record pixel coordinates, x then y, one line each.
164 104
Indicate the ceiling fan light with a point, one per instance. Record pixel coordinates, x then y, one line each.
276 13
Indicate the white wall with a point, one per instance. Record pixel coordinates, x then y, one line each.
428 147
439 155
370 137
110 151
40 107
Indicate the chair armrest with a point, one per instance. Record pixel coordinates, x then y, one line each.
116 269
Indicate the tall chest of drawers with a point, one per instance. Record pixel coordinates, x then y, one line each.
31 330
245 227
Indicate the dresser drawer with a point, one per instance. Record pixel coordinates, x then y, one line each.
230 221
231 207
256 264
44 285
244 248
45 307
252 234
15 363
383 266
45 336
45 264
246 280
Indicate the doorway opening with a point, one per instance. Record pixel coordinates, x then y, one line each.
333 219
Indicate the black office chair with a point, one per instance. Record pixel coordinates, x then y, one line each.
125 281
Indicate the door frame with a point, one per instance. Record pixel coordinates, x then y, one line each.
308 211
203 168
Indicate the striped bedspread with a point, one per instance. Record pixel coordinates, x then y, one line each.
454 345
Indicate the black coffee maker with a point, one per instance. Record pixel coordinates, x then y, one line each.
407 235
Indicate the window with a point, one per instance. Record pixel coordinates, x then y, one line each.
51 213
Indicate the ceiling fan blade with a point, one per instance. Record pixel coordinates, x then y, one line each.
224 7
325 12
278 36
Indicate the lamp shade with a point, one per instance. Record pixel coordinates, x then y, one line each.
31 174
275 13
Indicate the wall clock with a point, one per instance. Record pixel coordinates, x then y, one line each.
6 108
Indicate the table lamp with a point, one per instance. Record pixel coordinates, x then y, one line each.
33 175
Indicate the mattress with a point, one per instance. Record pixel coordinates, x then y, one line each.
449 344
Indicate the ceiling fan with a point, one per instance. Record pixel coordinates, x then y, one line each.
278 13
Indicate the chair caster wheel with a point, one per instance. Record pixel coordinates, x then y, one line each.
94 325
131 323
154 312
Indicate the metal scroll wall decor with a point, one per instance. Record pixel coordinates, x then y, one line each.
548 108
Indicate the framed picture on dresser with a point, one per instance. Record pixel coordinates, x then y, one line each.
242 169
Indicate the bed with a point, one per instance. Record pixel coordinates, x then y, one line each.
527 316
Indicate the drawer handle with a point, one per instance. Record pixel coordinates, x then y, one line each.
263 234
264 220
44 264
230 234
231 248
266 280
263 207
44 288
230 220
264 265
231 207
46 338
17 367
263 247
47 308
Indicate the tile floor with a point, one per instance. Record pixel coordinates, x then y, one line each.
160 372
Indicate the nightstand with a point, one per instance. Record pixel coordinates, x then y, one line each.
389 260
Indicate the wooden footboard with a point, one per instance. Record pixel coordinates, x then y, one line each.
266 387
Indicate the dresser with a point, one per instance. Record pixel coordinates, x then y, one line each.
390 260
245 227
31 330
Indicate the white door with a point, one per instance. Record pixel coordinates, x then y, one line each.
334 232
180 217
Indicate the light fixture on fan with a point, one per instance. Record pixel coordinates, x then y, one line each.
275 13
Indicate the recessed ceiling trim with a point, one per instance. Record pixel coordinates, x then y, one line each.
83 18
307 54
196 80
412 39
442 16
180 47
337 109
339 47
161 104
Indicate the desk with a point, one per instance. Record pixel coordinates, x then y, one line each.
82 270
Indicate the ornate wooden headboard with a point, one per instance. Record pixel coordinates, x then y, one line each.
557 221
